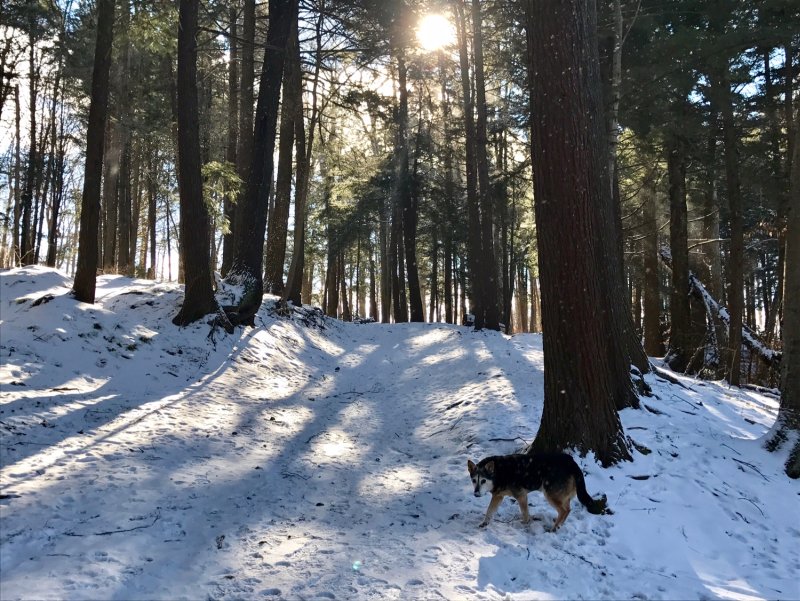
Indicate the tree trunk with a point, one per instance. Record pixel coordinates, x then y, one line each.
294 290
86 274
111 165
407 194
124 197
152 196
195 233
711 251
789 412
279 220
448 224
680 339
17 226
136 207
584 376
736 255
474 238
652 283
244 152
491 314
233 134
251 214
522 298
26 233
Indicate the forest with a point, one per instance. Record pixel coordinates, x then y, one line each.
272 272
410 162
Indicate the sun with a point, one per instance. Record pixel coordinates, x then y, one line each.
435 32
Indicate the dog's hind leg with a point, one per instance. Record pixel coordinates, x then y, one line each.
561 505
493 505
563 512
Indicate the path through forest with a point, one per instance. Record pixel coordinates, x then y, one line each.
311 459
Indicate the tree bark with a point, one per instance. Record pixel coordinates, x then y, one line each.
233 133
294 290
721 86
489 288
124 196
86 274
680 339
17 226
652 284
584 376
26 233
474 238
251 214
195 231
789 411
406 194
111 165
244 151
279 221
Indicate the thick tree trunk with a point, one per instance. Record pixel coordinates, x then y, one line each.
195 233
251 214
789 412
86 274
584 377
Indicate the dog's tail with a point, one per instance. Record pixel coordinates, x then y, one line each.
596 506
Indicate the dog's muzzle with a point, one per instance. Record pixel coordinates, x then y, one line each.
477 493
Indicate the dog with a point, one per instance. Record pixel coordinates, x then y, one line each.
555 474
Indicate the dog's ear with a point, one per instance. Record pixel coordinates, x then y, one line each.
471 466
489 467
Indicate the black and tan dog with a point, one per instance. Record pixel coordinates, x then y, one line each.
555 474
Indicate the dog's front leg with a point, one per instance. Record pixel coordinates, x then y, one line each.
493 505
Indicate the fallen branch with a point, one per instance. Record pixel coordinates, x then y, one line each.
752 467
150 525
715 311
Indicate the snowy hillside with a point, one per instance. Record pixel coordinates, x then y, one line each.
312 459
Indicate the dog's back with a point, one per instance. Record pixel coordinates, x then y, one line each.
530 472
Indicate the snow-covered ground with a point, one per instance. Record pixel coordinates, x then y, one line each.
312 459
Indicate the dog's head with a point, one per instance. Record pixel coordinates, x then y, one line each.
482 476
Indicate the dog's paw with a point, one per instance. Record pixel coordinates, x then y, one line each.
483 524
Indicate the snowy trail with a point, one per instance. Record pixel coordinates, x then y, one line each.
291 461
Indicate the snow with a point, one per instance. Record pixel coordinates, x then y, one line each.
312 459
